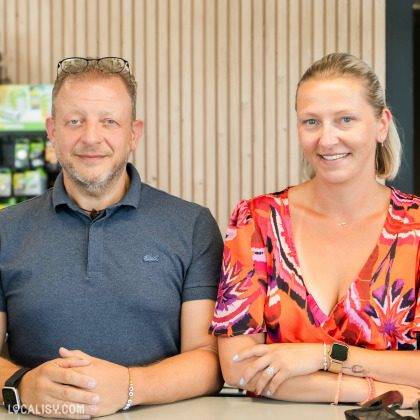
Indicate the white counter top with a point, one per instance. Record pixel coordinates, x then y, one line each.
224 408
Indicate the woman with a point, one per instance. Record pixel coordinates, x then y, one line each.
318 279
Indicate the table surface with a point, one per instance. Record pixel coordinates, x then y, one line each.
225 408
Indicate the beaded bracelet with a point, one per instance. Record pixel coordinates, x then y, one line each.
325 357
338 392
371 390
130 391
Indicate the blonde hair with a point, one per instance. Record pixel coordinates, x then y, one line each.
335 65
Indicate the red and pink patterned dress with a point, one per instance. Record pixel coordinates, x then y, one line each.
262 290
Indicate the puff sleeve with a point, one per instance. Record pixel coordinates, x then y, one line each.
242 290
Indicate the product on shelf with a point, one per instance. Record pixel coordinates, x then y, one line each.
28 166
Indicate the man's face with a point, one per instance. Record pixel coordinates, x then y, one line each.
93 133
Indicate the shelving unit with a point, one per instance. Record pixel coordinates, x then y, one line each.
28 165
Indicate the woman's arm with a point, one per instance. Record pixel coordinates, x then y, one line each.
298 374
392 366
322 387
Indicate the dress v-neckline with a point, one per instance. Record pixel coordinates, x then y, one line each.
320 317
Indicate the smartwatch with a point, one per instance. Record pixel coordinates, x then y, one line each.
10 393
338 356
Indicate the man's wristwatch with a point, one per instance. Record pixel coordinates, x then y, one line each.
10 393
338 356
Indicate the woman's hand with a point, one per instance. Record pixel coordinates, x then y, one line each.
276 363
409 393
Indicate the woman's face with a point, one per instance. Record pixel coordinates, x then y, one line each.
338 129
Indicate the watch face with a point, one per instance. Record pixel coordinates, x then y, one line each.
339 352
11 399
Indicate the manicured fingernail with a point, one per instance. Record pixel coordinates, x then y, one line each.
268 393
241 382
94 410
95 399
235 357
91 384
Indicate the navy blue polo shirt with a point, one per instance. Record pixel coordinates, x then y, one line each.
112 287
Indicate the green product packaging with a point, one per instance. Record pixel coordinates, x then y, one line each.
22 154
35 182
37 152
18 99
35 96
19 184
5 182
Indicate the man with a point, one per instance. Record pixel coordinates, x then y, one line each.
104 264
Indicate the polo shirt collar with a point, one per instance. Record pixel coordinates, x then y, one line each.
131 198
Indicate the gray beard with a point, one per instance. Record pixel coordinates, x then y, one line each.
97 188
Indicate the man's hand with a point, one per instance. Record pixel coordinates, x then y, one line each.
111 380
56 389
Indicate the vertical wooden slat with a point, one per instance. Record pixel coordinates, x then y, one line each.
258 98
57 30
10 53
128 23
246 152
294 75
2 30
47 65
330 27
367 40
151 94
175 98
162 93
80 28
306 35
306 59
355 28
138 68
343 25
222 114
115 28
379 51
186 93
23 41
317 29
234 123
103 28
282 93
210 129
34 67
198 100
69 49
270 145
92 38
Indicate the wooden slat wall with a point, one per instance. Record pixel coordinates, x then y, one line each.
216 78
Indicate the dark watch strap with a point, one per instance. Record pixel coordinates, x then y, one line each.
14 380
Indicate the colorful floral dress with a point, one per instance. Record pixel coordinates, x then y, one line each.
262 290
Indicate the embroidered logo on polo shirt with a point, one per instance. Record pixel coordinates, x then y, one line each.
151 258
